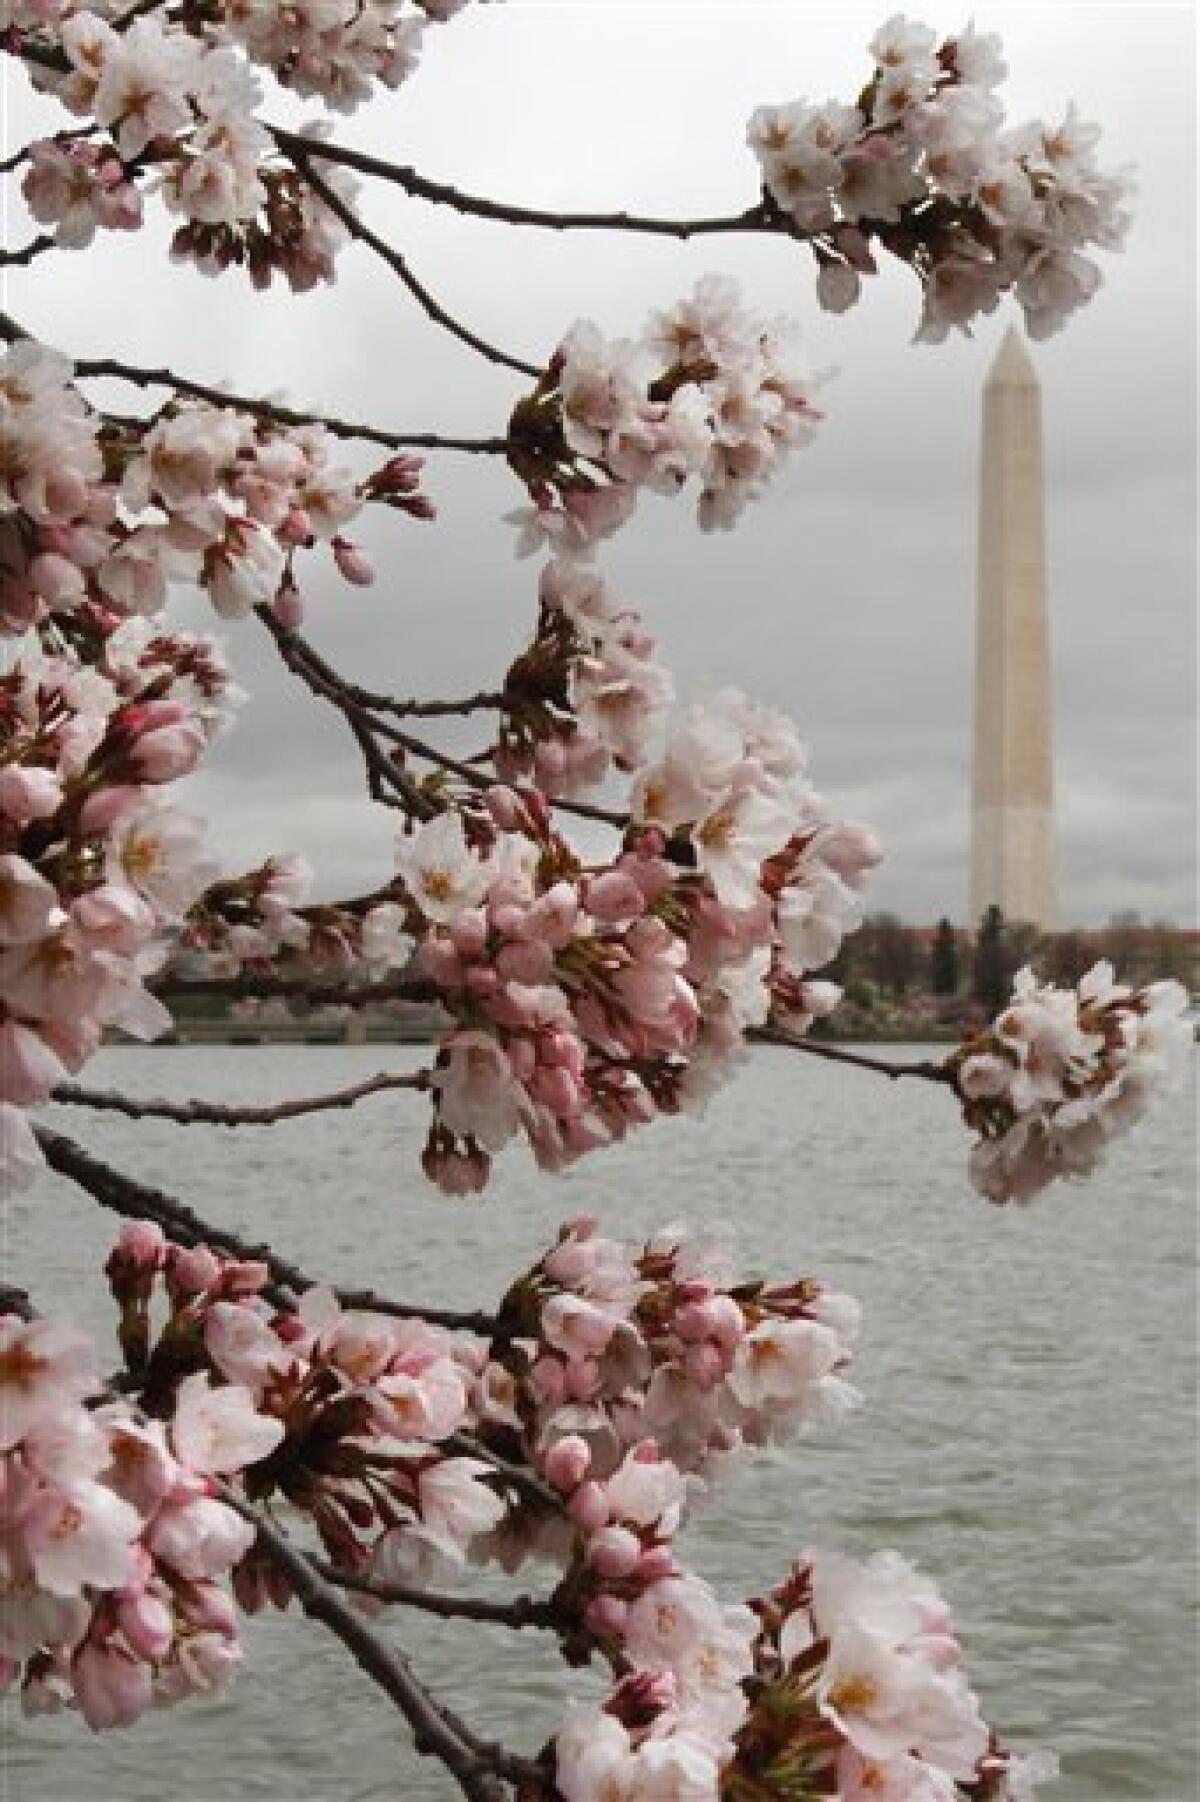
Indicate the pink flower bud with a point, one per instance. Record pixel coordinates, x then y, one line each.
615 896
507 920
556 1089
353 563
141 1245
296 527
656 1564
56 579
504 807
548 1379
147 1624
525 962
704 1364
288 607
102 810
482 981
469 932
589 1507
613 1552
193 1270
112 1689
566 1463
606 1616
582 1379
28 794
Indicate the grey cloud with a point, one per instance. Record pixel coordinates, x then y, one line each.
847 596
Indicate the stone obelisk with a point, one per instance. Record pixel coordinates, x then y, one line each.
1012 823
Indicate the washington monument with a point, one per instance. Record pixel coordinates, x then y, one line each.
1012 802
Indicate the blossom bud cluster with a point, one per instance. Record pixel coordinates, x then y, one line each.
358 1404
708 390
587 1000
855 1689
263 920
115 1542
923 165
1062 1072
203 495
612 1345
98 864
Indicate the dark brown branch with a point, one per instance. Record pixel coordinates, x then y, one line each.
480 1768
214 1113
758 218
11 259
926 1070
138 376
299 152
521 1611
136 1200
382 773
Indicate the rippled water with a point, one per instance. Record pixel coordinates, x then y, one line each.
1029 1434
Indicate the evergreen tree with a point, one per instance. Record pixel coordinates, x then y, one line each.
944 961
990 975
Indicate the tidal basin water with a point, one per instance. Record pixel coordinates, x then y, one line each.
1028 1435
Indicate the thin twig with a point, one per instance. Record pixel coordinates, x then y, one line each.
926 1070
11 259
299 154
135 1200
758 218
478 1767
139 376
198 1112
521 1611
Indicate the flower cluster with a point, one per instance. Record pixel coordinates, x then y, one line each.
115 1543
118 513
851 1685
98 864
708 390
922 164
359 1405
589 999
606 1348
587 695
1062 1072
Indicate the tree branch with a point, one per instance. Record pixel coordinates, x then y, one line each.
198 1112
139 376
135 1200
10 259
521 1611
775 1035
477 1766
298 152
758 218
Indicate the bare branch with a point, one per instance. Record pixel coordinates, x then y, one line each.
478 1767
755 219
135 1200
520 1612
298 152
137 375
11 259
198 1112
926 1070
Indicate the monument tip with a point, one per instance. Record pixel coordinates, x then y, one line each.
1011 365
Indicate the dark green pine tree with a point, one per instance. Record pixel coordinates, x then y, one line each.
943 968
990 975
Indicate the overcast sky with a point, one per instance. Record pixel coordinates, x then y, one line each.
847 596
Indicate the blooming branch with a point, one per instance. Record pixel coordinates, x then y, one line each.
214 1113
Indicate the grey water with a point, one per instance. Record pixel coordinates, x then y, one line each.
1028 1435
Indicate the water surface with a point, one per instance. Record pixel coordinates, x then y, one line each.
1028 1435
